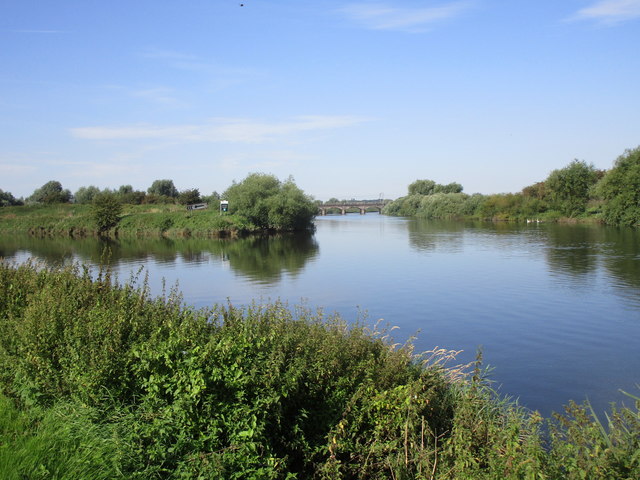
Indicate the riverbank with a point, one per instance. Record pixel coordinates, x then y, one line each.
508 207
166 391
71 220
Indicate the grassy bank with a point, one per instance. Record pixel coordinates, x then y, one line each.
135 220
139 387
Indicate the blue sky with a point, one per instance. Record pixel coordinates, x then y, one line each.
353 99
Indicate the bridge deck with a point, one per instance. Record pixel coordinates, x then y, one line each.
362 206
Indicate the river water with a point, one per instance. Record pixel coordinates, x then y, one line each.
555 308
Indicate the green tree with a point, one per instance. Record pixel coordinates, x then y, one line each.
84 195
128 195
50 192
267 203
189 196
620 189
452 187
106 211
125 189
213 199
422 187
429 187
290 208
164 188
537 190
8 200
568 188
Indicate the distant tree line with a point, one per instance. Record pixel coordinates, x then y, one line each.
260 201
160 192
578 190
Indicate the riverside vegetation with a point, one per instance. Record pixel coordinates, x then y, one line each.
100 380
258 203
577 192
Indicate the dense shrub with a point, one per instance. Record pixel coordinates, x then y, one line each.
267 203
106 209
445 205
85 195
620 189
7 199
569 188
50 192
163 188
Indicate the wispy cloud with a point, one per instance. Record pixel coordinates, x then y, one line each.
382 16
610 12
190 62
218 130
12 168
260 161
36 31
159 95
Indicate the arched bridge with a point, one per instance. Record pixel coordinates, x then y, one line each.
361 205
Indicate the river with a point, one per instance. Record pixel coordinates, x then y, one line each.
555 308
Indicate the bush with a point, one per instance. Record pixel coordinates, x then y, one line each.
569 188
8 200
444 205
50 192
265 202
620 188
106 209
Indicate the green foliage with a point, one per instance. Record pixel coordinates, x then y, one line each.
582 447
85 195
620 188
135 220
429 187
511 206
435 205
63 442
163 188
446 205
7 199
404 206
187 197
267 203
106 209
128 195
537 190
422 187
569 188
213 199
50 192
577 190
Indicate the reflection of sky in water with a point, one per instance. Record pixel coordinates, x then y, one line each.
556 308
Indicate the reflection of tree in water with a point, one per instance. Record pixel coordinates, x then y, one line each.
580 250
432 235
261 258
52 251
622 258
58 250
573 249
265 258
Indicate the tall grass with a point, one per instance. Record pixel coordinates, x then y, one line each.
159 390
63 442
136 220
